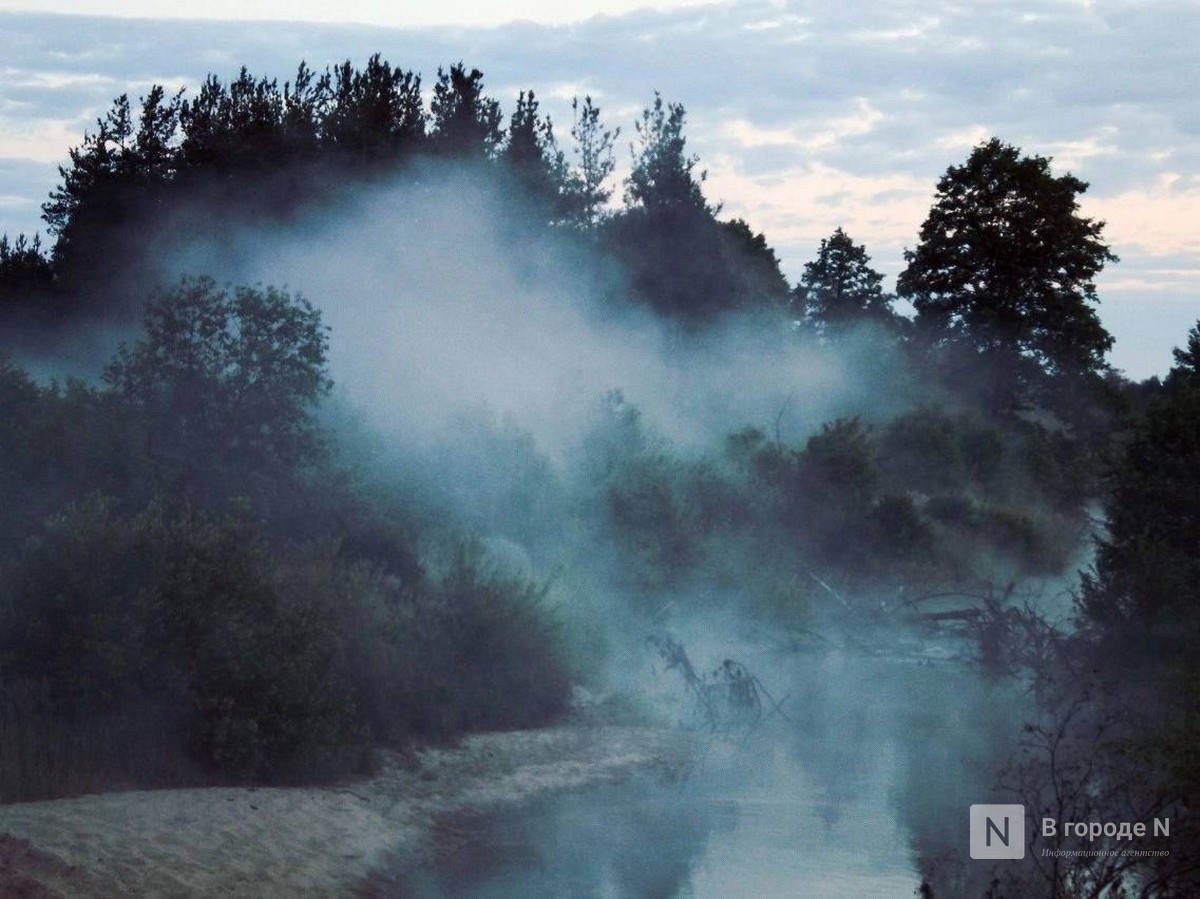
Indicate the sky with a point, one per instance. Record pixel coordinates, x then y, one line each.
806 116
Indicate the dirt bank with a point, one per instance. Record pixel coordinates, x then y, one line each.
303 841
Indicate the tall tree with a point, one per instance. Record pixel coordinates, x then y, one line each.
839 288
94 170
376 113
465 122
1147 571
594 162
682 261
114 177
1006 263
532 156
663 174
154 147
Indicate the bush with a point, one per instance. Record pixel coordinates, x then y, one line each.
479 651
175 609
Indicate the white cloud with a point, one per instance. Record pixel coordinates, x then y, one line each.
806 136
1157 219
19 78
803 204
374 12
39 141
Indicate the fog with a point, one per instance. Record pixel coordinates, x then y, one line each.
441 300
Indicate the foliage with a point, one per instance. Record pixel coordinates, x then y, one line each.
226 382
681 261
1006 267
26 272
1186 373
663 173
465 122
1147 572
839 289
481 652
594 162
375 115
692 269
181 610
535 163
59 443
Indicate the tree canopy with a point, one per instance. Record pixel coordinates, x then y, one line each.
1147 569
227 380
466 122
1006 262
663 174
839 288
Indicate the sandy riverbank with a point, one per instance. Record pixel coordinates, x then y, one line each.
277 842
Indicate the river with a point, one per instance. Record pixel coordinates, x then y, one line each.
863 786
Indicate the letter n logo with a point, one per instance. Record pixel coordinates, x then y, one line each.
997 831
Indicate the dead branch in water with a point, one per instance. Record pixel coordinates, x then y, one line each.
731 695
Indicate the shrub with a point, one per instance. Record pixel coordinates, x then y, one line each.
477 650
177 609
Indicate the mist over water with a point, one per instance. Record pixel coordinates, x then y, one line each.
856 793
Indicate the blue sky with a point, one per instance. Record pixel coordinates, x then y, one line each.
807 116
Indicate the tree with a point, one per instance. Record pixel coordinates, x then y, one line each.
465 122
1186 372
154 148
1006 263
595 163
1147 571
93 197
113 179
681 260
25 271
663 175
840 289
532 156
236 128
227 383
376 113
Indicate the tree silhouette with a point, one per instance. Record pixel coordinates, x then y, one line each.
533 159
226 383
465 122
594 162
376 113
1006 263
839 288
663 174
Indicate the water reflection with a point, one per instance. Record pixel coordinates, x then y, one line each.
875 766
634 839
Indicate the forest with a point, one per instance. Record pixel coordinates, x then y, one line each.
221 564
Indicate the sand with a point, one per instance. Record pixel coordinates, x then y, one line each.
268 842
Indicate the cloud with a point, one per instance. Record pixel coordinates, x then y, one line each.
1156 219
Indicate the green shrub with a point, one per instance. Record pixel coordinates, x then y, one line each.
478 649
180 609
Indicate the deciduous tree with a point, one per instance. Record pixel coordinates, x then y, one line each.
1006 267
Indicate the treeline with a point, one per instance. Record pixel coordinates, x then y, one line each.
252 150
1006 284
